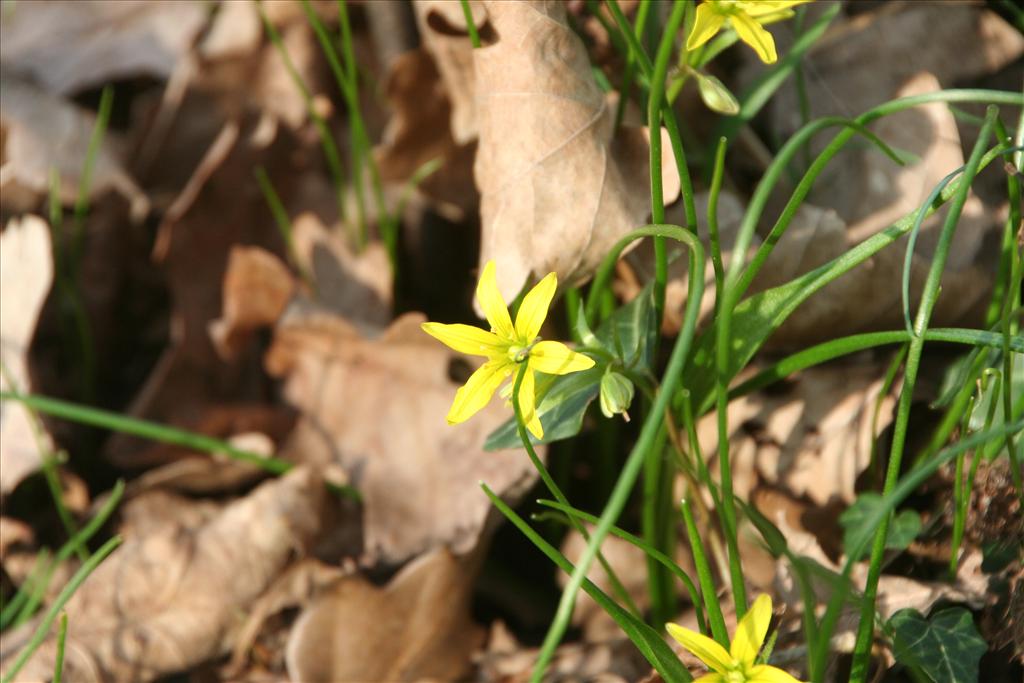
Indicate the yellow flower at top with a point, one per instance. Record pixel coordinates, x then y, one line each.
506 347
738 664
747 18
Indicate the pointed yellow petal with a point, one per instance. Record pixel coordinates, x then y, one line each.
751 33
465 338
475 394
555 358
709 652
769 674
710 678
534 308
762 7
751 631
528 404
493 303
707 24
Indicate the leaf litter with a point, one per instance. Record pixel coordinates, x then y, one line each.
290 342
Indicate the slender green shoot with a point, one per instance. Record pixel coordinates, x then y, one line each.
707 583
474 36
62 634
284 225
92 154
51 614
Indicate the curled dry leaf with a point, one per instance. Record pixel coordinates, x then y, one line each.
813 439
70 46
26 275
169 600
545 127
416 627
42 132
377 408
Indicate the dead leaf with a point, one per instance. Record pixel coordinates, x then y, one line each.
169 600
813 439
417 627
70 46
257 288
557 187
26 275
42 132
378 407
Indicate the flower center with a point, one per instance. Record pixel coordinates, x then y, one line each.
736 676
517 353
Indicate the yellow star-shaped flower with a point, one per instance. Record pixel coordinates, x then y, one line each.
506 346
747 18
738 664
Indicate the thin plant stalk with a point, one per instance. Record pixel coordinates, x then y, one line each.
284 225
62 634
865 630
474 35
707 584
44 625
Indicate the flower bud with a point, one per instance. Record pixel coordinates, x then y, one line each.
616 394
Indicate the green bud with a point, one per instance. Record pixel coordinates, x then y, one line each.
616 394
715 95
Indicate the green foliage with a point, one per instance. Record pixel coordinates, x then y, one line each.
946 646
905 526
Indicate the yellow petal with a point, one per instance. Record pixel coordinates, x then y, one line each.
534 308
555 358
707 24
491 301
769 674
475 394
465 338
762 7
528 404
709 652
710 678
751 631
751 33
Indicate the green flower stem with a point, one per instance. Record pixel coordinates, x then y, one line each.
707 583
865 631
650 643
654 103
284 225
62 634
474 37
648 549
634 462
556 491
655 520
629 73
714 235
327 142
44 626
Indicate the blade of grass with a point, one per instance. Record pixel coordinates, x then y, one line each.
44 626
284 224
62 634
707 584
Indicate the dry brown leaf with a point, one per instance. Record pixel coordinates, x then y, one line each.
417 627
257 288
26 275
40 132
169 600
442 27
812 439
419 132
67 46
557 187
377 408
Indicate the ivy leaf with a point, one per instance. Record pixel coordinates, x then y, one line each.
903 529
947 647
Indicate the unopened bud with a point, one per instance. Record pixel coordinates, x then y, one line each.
616 394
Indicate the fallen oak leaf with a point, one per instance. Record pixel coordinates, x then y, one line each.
558 185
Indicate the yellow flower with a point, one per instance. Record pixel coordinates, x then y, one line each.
738 664
506 346
746 17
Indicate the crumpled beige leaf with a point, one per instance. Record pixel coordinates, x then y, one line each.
42 132
171 599
377 408
557 187
812 439
416 627
26 275
67 46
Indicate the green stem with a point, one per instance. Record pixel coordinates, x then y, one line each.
648 435
707 584
474 37
865 631
62 634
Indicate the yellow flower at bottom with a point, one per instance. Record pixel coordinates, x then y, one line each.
738 663
746 17
506 347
